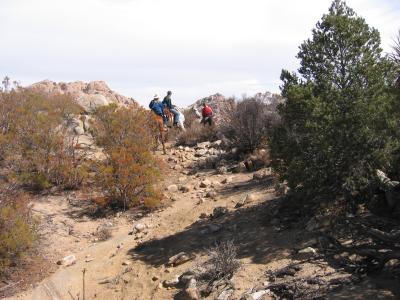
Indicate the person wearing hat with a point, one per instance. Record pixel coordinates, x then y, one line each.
168 103
157 107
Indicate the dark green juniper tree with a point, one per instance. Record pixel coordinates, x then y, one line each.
338 118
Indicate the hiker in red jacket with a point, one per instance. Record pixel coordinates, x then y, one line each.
207 114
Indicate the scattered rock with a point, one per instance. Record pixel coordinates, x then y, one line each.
393 263
171 282
67 261
139 227
180 258
172 188
126 263
211 194
205 183
308 250
225 295
203 145
191 292
216 144
246 199
219 212
187 276
261 295
155 278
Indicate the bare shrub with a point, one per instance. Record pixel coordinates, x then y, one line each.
220 267
197 133
103 233
17 227
247 123
130 171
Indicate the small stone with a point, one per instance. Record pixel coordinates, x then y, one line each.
155 278
211 194
225 295
171 282
126 263
393 263
205 183
172 188
180 258
139 227
67 261
308 250
261 295
191 292
244 200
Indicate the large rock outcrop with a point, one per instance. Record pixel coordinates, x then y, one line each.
88 95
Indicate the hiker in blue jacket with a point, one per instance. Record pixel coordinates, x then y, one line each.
158 107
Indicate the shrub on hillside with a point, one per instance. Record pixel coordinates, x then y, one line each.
247 123
197 133
17 227
40 152
338 121
130 171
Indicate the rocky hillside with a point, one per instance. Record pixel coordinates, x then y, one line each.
220 103
89 95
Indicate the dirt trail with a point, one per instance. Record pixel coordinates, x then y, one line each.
139 281
138 267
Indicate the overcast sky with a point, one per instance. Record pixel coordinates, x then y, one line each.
193 47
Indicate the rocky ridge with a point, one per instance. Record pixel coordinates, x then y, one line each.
88 95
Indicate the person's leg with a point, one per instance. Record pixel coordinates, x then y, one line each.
210 121
176 115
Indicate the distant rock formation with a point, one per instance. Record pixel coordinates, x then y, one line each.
220 104
88 95
217 102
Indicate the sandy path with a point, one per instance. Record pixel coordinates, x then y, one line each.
141 280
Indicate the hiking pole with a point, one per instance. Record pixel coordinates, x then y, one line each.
83 282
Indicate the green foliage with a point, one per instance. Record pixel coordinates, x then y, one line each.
129 172
339 118
17 228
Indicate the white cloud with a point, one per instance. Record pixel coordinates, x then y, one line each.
192 47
